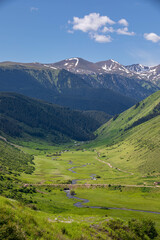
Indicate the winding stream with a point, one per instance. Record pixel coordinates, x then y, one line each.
74 181
83 201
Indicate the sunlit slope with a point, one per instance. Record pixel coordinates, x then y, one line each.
131 141
117 127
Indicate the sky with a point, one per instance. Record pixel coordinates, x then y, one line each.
48 31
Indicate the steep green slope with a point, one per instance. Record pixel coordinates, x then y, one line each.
136 115
131 140
23 117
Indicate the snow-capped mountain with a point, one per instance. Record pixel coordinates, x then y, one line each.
85 68
76 65
81 66
147 73
81 84
111 66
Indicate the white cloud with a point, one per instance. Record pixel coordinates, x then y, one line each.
101 38
108 29
123 22
152 37
34 9
91 22
124 31
98 27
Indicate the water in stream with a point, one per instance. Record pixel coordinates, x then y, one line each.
83 201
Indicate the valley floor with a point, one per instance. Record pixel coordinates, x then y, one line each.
75 189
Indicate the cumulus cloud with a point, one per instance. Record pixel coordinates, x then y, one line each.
124 31
153 37
98 27
101 38
123 22
108 29
34 9
91 22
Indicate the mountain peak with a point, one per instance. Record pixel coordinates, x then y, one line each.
113 61
111 66
137 68
81 66
75 65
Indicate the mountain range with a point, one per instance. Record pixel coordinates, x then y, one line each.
81 66
79 84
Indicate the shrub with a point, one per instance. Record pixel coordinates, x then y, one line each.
137 105
144 228
9 230
115 117
73 192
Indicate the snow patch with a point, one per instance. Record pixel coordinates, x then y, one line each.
49 66
105 67
77 61
114 61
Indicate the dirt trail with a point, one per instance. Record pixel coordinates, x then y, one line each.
5 140
107 163
87 185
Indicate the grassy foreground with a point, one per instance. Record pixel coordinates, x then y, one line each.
20 222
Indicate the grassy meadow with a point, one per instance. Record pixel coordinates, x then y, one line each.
45 209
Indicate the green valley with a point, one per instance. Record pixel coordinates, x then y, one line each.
102 188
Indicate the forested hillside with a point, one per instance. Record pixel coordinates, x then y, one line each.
23 117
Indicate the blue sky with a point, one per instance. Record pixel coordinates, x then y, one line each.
51 30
